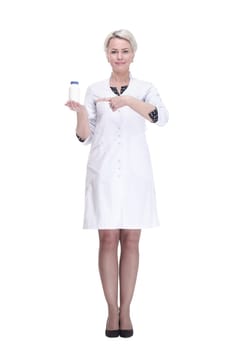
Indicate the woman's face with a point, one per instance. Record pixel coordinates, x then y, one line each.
120 55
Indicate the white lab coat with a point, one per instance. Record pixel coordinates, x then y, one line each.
119 180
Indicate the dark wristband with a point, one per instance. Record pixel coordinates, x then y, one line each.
80 139
154 115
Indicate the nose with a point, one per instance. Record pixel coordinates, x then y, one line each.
119 56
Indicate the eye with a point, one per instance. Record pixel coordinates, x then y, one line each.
113 51
125 51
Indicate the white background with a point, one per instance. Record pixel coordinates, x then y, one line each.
50 295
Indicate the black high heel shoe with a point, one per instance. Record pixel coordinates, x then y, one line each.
114 333
126 333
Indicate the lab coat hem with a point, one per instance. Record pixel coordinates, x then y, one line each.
123 227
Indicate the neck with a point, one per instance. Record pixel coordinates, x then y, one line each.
120 79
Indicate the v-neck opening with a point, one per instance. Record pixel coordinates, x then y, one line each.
122 92
116 91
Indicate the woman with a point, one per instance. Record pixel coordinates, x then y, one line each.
120 197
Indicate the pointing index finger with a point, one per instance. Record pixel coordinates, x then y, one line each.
103 99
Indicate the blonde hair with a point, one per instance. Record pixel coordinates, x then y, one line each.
121 34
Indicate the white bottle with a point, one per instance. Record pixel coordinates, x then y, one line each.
74 91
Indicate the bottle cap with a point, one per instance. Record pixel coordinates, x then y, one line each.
74 82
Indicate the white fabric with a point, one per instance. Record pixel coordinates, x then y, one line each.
119 180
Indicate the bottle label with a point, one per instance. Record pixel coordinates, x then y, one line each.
74 92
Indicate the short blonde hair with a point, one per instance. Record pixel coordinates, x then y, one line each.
121 34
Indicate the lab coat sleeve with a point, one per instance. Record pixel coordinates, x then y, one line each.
90 104
153 97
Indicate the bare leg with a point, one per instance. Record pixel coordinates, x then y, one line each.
129 261
108 268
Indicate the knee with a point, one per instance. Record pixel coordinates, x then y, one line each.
130 242
109 240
